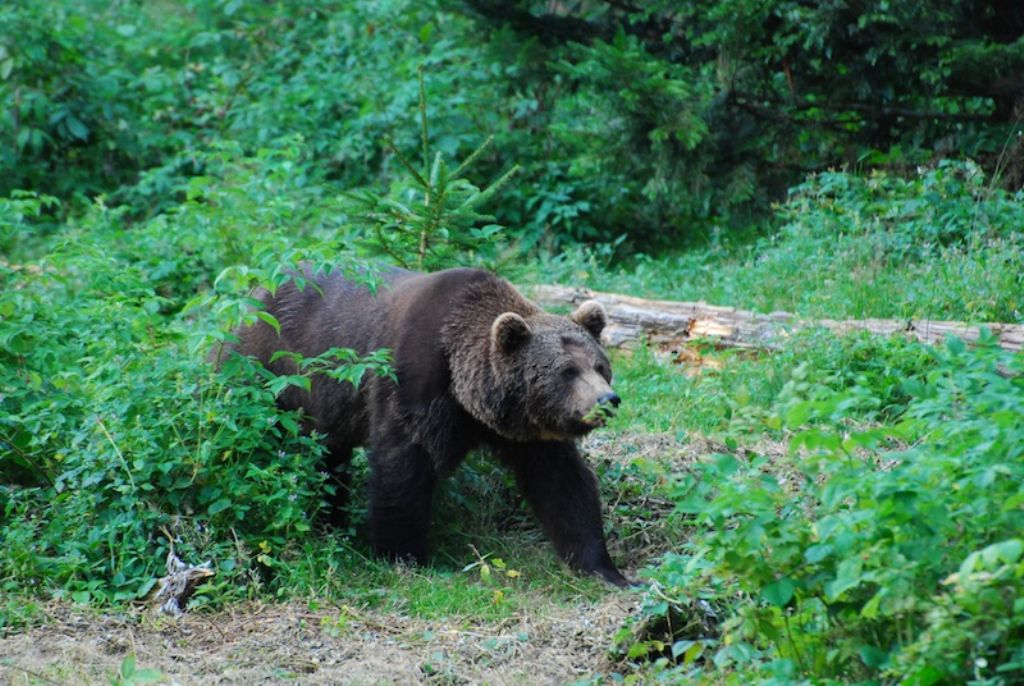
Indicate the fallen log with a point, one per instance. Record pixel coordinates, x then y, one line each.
666 324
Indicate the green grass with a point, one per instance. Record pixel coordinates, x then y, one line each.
938 246
661 397
736 388
843 278
440 590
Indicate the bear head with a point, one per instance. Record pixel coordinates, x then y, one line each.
546 376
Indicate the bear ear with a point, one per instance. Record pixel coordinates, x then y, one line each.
509 332
591 316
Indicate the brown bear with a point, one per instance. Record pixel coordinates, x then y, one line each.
477 365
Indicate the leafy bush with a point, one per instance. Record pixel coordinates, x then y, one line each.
829 562
974 629
649 125
116 431
89 92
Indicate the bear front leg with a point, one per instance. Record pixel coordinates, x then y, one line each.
562 490
401 489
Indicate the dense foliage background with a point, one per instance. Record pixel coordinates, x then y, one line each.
859 159
655 123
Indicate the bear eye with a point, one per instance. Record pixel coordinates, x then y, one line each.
569 372
604 371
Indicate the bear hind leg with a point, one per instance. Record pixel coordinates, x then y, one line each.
401 491
337 461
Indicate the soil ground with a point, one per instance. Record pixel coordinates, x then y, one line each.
292 644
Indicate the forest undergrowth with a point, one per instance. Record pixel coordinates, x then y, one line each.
852 511
837 510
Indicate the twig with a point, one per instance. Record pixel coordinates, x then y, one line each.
423 123
428 188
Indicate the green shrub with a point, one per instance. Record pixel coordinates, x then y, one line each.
653 126
121 100
89 93
829 562
113 429
973 633
669 121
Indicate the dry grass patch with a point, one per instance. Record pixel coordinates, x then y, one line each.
291 643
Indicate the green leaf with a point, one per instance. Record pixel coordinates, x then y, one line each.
278 384
127 666
872 656
955 345
689 650
24 137
145 588
870 609
147 676
289 423
817 553
426 31
798 414
76 127
270 319
1005 552
278 354
779 593
848 577
219 506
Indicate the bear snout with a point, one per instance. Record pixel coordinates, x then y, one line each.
601 411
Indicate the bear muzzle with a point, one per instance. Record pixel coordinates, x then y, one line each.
603 410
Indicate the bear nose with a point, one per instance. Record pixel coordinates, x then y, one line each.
609 398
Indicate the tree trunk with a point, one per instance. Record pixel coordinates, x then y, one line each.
666 324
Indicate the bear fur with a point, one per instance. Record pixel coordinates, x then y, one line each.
477 365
